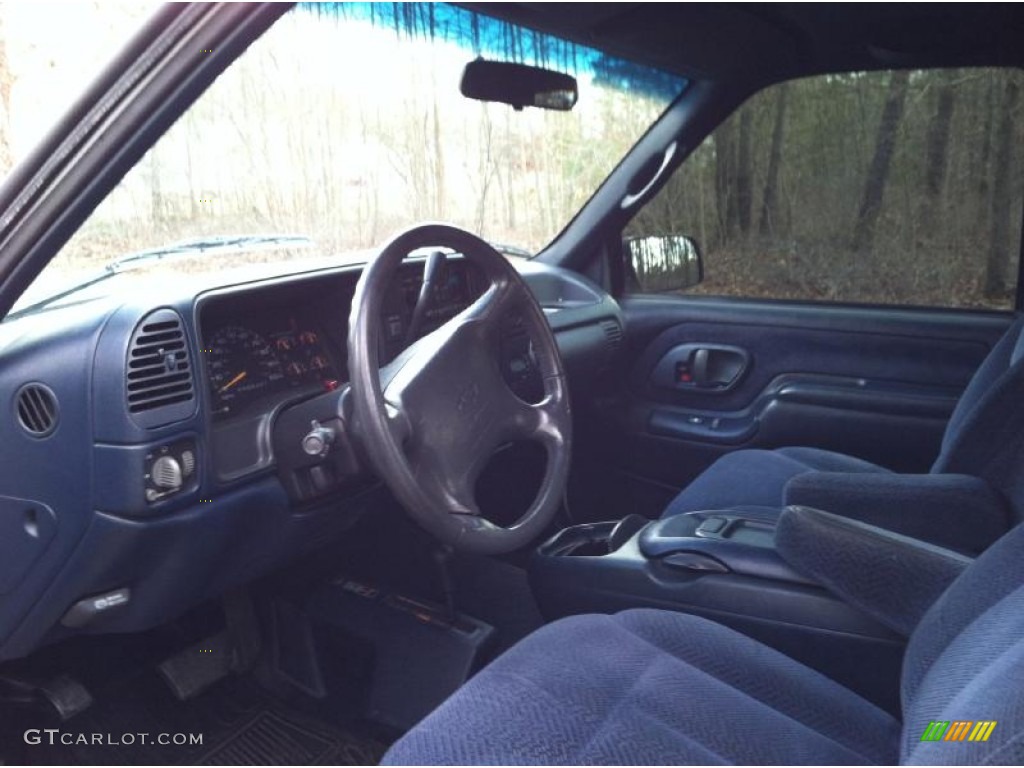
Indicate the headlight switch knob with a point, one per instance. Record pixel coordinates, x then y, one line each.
318 441
166 473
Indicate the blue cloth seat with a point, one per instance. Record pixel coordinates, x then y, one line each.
984 441
659 688
649 687
759 478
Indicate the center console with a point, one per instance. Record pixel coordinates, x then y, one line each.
723 565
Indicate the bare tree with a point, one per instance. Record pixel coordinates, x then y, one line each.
999 242
937 152
770 198
6 85
744 172
878 173
983 198
725 168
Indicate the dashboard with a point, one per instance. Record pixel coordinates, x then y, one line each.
155 449
270 347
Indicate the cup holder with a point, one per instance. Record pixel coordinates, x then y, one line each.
593 539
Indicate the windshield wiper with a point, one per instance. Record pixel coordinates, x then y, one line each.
189 248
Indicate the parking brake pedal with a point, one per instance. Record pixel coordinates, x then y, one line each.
66 695
195 669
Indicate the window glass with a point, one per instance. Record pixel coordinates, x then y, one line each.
49 54
344 124
890 187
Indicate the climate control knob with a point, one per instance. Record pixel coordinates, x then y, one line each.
166 473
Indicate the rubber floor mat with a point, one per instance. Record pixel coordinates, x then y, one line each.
239 722
273 738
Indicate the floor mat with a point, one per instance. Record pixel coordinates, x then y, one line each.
239 723
273 738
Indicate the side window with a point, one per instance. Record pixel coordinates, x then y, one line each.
888 187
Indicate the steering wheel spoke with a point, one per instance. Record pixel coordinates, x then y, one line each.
501 298
398 423
545 421
451 488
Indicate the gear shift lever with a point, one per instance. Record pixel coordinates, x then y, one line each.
443 558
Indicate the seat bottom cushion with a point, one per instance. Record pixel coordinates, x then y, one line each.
758 478
648 687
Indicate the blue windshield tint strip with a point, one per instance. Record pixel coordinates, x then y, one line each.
499 40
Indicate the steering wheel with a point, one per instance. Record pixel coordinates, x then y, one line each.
430 420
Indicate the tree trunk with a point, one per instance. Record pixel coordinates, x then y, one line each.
156 195
937 154
983 198
770 198
439 187
878 175
999 243
6 84
744 173
191 140
724 174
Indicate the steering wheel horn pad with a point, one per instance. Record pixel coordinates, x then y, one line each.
430 420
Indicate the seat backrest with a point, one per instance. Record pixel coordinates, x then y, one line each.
985 434
965 664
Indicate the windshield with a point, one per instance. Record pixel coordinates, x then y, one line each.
344 124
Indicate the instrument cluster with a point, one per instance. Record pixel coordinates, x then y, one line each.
266 346
249 363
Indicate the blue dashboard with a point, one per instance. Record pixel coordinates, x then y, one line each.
151 453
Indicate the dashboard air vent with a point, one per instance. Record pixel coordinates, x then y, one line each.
613 332
159 370
613 337
36 407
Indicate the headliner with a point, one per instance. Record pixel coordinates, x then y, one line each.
763 43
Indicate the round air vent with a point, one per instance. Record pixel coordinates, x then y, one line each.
36 409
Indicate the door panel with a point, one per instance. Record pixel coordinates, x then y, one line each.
877 383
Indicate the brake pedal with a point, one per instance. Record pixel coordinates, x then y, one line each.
195 669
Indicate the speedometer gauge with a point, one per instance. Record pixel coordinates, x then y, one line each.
241 365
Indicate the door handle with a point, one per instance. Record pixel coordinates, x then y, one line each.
707 368
718 367
700 367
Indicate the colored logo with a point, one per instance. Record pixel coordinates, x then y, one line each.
958 730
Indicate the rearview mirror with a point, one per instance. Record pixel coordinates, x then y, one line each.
519 85
664 263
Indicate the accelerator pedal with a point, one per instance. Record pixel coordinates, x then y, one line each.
195 669
236 649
